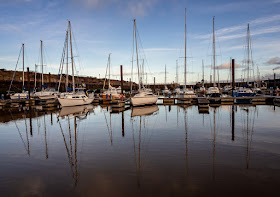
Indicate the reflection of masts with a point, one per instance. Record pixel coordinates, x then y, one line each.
76 143
109 128
28 150
67 150
186 133
214 144
70 138
47 155
139 154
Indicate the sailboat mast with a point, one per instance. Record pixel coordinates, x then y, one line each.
67 76
214 52
248 51
109 62
35 83
137 54
185 58
202 73
72 61
177 71
165 75
42 63
22 65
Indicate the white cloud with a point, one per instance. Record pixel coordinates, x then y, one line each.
227 65
274 61
222 33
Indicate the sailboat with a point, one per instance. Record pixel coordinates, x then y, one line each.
202 88
23 94
45 93
111 92
177 89
214 91
144 96
73 98
246 91
165 90
186 92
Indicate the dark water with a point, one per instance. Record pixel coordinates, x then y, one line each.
153 151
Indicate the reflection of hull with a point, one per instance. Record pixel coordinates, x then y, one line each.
148 100
144 111
76 110
66 102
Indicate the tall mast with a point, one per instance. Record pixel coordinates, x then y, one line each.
109 62
165 75
35 83
137 54
202 73
72 60
177 71
22 65
214 52
185 73
132 61
67 76
42 63
248 51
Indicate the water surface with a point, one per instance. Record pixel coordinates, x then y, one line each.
152 151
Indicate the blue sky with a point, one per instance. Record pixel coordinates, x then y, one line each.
105 26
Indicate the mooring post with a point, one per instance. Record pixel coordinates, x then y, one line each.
49 79
28 78
232 123
122 78
233 75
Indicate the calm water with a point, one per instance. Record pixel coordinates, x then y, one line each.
153 151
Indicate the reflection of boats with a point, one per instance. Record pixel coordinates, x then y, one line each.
76 110
144 111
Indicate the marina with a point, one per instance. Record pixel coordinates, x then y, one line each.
139 98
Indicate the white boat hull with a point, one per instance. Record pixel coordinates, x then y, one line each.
19 96
67 102
138 101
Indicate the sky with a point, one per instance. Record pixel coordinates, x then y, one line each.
101 27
